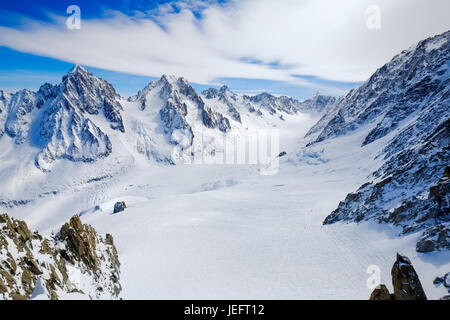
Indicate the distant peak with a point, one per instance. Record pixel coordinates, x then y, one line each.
224 88
78 72
169 78
264 95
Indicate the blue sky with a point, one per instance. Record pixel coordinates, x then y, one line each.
251 45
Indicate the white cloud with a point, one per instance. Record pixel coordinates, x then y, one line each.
324 38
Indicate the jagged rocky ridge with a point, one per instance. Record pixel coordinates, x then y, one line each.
407 101
183 113
67 121
75 260
316 104
268 102
405 282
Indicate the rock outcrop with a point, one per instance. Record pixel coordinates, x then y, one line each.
75 260
445 281
435 238
212 119
119 207
405 282
381 293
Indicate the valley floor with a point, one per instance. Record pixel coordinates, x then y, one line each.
227 232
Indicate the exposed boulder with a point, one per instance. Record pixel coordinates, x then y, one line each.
434 238
119 207
213 119
75 260
405 281
380 293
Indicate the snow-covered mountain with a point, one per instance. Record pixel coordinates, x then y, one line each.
84 120
405 108
180 123
64 121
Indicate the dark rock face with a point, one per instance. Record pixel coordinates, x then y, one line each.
175 94
212 119
173 115
229 98
411 94
435 238
119 207
48 263
95 95
19 115
211 93
4 103
445 281
66 131
405 281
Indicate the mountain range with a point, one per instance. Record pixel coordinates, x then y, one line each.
71 120
383 147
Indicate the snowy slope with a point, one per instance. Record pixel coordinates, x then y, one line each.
199 231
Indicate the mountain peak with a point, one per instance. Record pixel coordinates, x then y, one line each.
77 68
168 78
79 74
224 88
172 79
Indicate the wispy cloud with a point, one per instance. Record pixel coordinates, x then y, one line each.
254 39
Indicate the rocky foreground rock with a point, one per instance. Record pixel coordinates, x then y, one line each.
75 260
405 282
